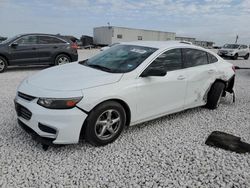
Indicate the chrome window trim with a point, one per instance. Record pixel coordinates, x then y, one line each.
66 42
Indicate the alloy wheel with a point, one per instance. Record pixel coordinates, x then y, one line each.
2 65
63 60
108 124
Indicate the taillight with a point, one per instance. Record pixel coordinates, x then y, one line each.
234 69
74 46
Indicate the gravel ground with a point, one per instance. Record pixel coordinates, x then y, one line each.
167 152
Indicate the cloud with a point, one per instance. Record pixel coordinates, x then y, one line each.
217 20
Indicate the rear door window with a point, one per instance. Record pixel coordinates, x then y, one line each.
194 57
49 40
211 58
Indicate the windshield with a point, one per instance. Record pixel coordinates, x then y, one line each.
120 58
9 39
231 46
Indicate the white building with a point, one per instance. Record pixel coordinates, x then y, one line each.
107 35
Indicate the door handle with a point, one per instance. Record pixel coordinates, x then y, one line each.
181 77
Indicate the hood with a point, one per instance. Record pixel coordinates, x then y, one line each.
72 76
227 49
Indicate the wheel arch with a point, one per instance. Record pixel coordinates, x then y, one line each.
62 53
5 57
222 81
121 102
209 88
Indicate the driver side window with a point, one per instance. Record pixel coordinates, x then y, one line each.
27 40
170 60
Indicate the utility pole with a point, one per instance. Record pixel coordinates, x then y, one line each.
237 37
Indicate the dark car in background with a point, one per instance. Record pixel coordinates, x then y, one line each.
36 49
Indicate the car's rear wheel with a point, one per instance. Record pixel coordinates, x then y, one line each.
214 95
62 59
235 57
105 123
246 56
3 64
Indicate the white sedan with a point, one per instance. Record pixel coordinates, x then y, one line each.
125 85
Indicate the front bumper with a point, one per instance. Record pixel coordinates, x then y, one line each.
229 54
66 123
35 136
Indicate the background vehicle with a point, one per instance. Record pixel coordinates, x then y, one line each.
36 49
125 85
234 51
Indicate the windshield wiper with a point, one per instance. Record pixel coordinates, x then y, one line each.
83 62
100 67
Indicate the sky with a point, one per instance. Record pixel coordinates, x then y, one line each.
213 20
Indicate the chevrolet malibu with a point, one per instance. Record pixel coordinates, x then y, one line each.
129 83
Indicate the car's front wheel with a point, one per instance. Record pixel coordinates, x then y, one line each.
246 56
105 123
62 59
3 64
214 95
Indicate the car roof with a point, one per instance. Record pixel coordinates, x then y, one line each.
46 34
162 44
39 34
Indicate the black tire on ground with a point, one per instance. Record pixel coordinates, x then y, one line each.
214 95
246 56
62 59
235 57
3 64
93 130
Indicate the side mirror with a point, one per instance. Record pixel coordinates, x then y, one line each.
154 72
14 44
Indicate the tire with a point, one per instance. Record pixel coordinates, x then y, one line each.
62 59
246 56
106 131
3 64
235 57
214 95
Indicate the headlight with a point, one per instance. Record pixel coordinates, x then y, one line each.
59 103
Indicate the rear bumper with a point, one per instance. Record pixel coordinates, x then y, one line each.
74 57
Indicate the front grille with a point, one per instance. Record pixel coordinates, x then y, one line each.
223 51
23 112
25 96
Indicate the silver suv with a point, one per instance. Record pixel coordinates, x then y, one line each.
234 51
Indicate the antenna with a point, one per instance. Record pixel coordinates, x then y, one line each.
237 37
109 25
